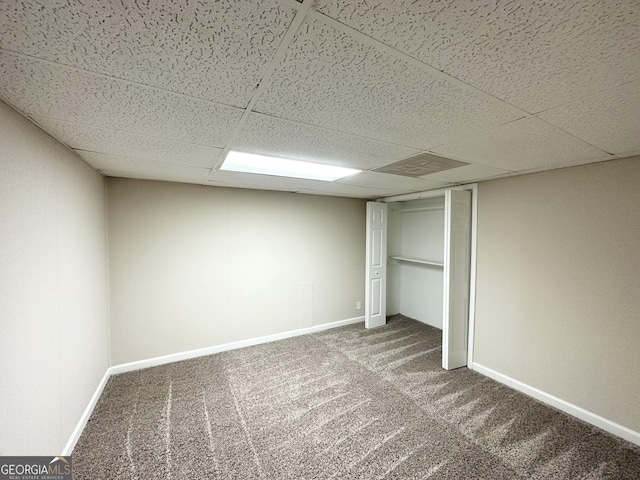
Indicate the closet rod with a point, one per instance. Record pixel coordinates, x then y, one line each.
419 209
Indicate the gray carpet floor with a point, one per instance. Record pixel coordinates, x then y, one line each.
343 403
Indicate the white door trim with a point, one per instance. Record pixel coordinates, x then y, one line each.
474 250
472 274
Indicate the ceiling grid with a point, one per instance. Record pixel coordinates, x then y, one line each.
264 79
163 90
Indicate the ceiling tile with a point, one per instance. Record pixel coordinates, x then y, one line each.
468 173
610 120
274 136
196 48
266 182
113 142
523 145
117 166
535 55
152 89
339 190
155 175
48 90
329 79
384 180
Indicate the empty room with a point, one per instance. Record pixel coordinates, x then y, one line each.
318 239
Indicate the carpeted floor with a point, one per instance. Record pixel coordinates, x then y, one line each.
344 403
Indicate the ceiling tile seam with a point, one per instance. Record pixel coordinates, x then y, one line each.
134 157
144 176
378 186
462 166
457 139
478 164
57 140
294 4
587 95
383 47
125 176
341 132
119 79
326 191
469 164
628 154
574 136
507 123
33 118
24 115
277 57
534 170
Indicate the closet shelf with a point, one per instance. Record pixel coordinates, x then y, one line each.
420 209
416 260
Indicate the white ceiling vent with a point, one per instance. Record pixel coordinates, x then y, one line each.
420 165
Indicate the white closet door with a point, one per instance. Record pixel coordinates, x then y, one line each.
457 258
375 306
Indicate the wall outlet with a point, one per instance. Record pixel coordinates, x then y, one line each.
358 305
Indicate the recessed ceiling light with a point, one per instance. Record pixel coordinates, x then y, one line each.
283 167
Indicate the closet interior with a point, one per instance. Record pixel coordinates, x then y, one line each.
419 265
415 246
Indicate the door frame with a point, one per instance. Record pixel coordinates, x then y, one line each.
473 188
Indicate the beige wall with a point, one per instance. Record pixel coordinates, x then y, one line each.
53 288
558 295
194 266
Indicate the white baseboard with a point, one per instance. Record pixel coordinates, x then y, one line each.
201 352
579 412
75 435
176 357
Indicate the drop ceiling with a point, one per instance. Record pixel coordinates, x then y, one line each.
163 90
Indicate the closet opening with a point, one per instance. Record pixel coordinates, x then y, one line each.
420 257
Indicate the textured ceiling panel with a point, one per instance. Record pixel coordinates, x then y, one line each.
248 180
467 173
382 180
193 47
420 165
329 79
224 178
113 142
157 85
340 190
609 120
274 136
115 166
523 145
49 90
533 54
174 175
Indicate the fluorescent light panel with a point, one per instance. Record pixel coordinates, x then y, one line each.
283 167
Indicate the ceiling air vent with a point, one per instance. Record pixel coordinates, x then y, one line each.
420 165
